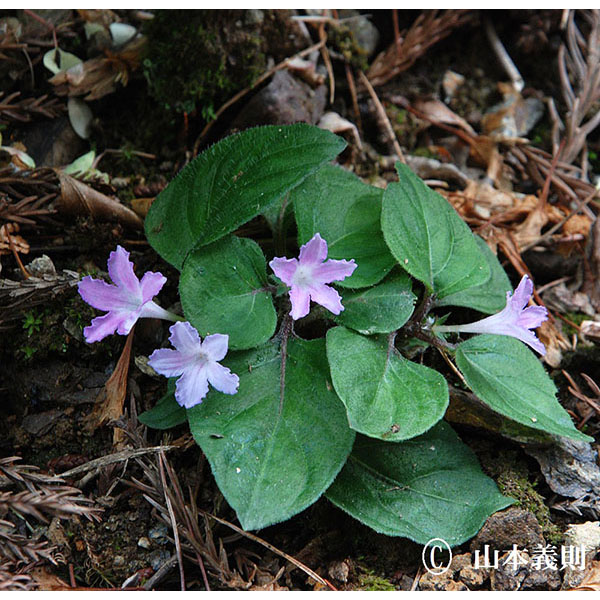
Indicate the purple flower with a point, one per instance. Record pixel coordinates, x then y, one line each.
126 301
196 361
308 274
514 319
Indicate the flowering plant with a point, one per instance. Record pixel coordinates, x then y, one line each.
305 382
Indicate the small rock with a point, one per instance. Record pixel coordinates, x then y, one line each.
517 570
118 561
159 534
463 567
41 423
158 558
460 576
339 569
508 527
586 535
570 467
285 100
144 543
41 266
365 33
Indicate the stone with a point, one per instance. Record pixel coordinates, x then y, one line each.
339 570
284 101
144 543
508 527
586 535
517 570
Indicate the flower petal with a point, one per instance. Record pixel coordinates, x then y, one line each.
532 317
327 297
151 284
222 379
522 293
101 327
102 295
168 362
284 268
215 346
120 269
300 299
314 251
333 270
531 340
191 388
185 338
127 321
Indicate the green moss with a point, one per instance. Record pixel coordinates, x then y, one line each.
370 582
197 59
512 477
341 39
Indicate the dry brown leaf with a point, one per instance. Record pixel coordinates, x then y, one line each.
99 76
591 581
437 111
554 341
141 206
577 225
591 329
46 581
18 243
530 230
77 198
514 117
332 121
110 401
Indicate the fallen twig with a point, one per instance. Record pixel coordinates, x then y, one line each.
117 457
383 118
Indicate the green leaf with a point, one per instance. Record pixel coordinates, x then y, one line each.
232 182
428 487
222 290
428 238
382 308
166 413
488 297
511 380
386 396
273 456
346 212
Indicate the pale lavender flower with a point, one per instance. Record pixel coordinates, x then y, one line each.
308 275
514 319
196 364
127 300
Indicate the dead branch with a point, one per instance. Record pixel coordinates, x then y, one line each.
25 110
10 581
39 495
429 28
579 70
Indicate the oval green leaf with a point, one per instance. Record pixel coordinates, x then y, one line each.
386 396
428 238
346 212
382 308
428 487
166 413
223 289
232 182
510 379
489 297
272 455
